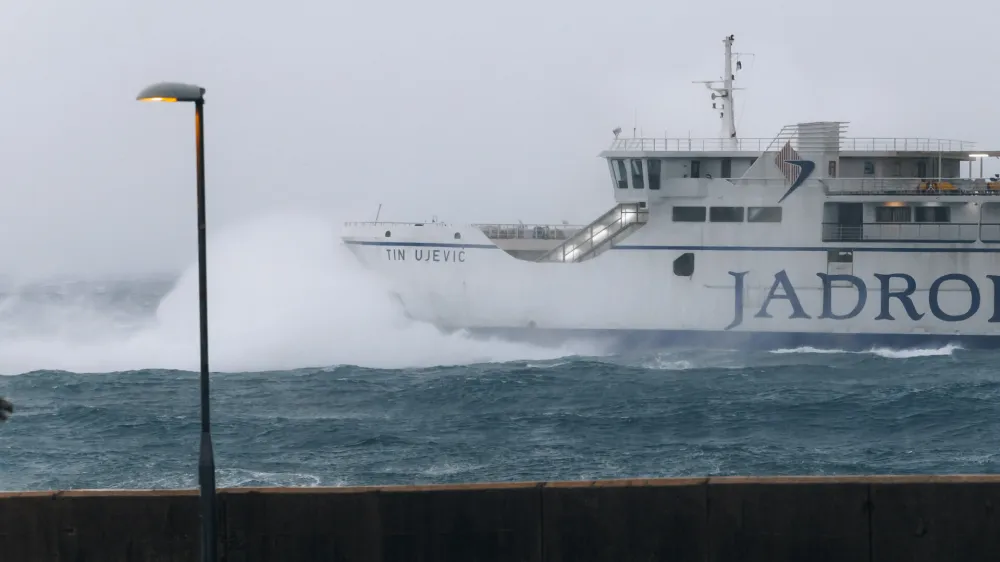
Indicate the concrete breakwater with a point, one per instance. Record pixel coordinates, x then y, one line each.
817 519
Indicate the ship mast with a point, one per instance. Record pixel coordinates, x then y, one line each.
722 96
728 114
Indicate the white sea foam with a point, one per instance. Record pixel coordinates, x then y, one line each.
284 293
884 352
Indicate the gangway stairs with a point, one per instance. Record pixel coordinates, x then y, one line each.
599 235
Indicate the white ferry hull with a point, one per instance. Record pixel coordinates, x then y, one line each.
766 296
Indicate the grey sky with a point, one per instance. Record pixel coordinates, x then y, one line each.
470 111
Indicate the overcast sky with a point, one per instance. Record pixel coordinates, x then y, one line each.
471 111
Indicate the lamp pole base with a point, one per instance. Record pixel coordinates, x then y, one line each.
206 481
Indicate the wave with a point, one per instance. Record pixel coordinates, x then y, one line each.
884 352
887 353
284 293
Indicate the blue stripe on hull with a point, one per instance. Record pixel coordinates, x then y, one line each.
635 340
625 247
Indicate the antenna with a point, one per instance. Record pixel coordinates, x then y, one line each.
723 95
378 212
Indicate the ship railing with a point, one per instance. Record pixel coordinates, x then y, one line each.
911 186
902 232
394 223
529 231
759 145
989 231
904 144
691 144
497 231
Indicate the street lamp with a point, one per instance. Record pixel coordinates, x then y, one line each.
174 92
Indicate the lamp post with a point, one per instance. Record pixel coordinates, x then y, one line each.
174 92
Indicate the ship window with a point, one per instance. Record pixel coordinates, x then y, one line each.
763 214
684 265
621 180
695 169
832 169
689 214
725 214
637 182
933 214
869 168
727 167
892 214
921 169
653 167
839 256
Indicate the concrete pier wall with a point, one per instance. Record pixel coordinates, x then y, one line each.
705 519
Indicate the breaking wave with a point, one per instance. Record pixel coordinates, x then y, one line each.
283 293
884 352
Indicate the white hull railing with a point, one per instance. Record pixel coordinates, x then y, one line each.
764 144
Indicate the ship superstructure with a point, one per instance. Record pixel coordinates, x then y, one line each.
809 237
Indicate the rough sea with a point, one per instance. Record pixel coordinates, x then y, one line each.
323 382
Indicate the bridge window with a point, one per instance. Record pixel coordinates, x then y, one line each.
725 214
763 214
637 182
933 214
653 168
621 180
892 214
684 265
689 214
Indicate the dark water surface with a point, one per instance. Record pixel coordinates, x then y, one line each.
690 413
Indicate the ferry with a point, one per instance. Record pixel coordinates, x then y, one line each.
809 238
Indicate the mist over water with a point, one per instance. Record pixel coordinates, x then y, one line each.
284 293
